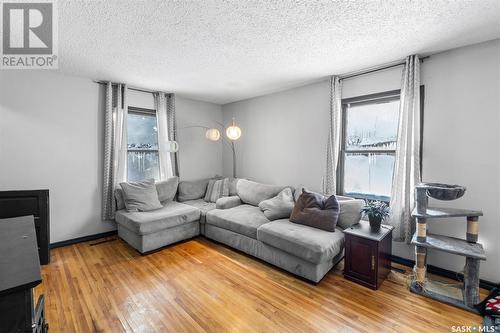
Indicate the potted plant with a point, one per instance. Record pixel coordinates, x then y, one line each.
376 211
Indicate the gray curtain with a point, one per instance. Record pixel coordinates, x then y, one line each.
115 146
167 132
334 130
407 171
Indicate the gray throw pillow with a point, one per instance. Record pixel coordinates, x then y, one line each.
140 196
167 189
350 212
192 190
120 201
317 211
279 207
217 188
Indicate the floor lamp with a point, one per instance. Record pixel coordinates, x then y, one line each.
233 133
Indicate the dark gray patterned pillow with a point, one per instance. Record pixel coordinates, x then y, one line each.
317 211
217 188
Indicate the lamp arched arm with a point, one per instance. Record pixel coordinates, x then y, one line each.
221 129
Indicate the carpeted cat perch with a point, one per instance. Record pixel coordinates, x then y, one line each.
467 294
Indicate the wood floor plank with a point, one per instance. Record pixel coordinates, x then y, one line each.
201 286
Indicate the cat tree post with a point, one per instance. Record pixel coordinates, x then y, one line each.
421 204
420 264
422 200
471 281
471 269
421 252
472 228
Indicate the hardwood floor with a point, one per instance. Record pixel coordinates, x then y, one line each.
201 286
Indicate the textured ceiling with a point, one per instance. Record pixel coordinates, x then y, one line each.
223 51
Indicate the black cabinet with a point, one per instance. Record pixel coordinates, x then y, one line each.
19 274
36 203
367 254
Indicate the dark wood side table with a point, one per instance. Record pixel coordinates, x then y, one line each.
367 254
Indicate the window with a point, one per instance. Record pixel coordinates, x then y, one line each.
369 135
142 142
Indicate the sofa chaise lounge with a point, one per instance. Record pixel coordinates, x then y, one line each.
237 221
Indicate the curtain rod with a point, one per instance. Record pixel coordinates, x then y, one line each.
375 69
342 77
129 87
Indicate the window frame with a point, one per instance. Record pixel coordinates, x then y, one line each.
376 98
141 111
368 99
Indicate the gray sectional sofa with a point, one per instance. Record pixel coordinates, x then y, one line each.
238 222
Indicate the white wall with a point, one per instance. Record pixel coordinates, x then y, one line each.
462 142
284 137
51 137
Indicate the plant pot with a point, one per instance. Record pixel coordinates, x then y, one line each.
374 223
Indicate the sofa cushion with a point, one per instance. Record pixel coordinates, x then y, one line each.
311 244
253 193
167 189
278 207
299 188
202 205
140 196
350 211
217 188
170 215
192 189
243 219
120 200
315 210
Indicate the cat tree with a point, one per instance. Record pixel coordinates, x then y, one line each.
467 295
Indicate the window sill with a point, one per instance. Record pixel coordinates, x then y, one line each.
370 197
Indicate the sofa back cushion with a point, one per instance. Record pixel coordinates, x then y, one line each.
253 193
278 207
232 186
140 196
192 189
120 201
167 189
317 211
